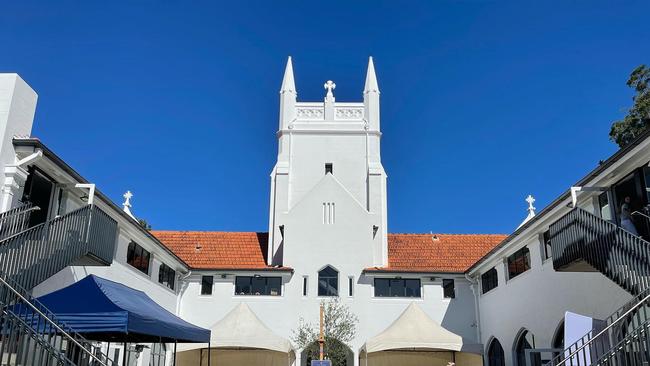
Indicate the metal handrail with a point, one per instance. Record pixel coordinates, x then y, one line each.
616 253
31 256
620 345
582 236
20 209
604 330
33 228
16 219
640 214
54 324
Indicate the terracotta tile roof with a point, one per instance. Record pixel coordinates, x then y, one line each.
449 253
218 250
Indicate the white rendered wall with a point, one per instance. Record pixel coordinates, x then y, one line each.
17 108
538 298
282 313
311 135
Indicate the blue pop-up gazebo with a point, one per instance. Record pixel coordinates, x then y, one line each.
103 310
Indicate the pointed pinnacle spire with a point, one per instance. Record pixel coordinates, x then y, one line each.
371 78
288 84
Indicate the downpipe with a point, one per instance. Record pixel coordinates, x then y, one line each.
477 313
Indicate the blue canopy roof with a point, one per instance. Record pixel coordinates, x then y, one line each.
105 310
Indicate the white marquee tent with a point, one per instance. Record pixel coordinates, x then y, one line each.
416 339
240 338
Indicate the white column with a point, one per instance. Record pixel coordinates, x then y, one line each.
14 179
356 358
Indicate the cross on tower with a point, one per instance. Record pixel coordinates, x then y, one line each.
329 86
530 201
127 199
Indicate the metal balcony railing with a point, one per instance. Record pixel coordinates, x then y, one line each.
581 240
582 237
16 220
594 346
35 254
31 335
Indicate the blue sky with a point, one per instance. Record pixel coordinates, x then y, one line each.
482 102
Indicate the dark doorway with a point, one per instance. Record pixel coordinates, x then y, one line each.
631 186
38 191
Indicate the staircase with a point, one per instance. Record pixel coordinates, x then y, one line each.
29 333
620 331
85 236
581 241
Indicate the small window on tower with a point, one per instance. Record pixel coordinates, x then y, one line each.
329 168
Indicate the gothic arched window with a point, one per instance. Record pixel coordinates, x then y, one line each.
525 341
496 357
328 282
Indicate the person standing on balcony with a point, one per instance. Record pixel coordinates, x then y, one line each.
626 217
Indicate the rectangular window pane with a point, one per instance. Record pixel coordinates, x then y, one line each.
489 280
350 286
243 285
605 208
518 262
327 286
258 286
449 288
546 238
305 282
166 276
412 287
397 287
206 285
138 257
382 287
274 285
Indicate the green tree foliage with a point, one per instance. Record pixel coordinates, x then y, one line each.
638 117
339 328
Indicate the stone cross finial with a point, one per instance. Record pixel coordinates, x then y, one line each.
127 204
127 199
530 199
329 86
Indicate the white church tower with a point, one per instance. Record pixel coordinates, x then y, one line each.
328 187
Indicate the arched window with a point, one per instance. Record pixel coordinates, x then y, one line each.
558 338
525 341
328 282
495 354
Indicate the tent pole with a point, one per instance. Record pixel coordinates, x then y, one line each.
175 342
108 352
209 352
